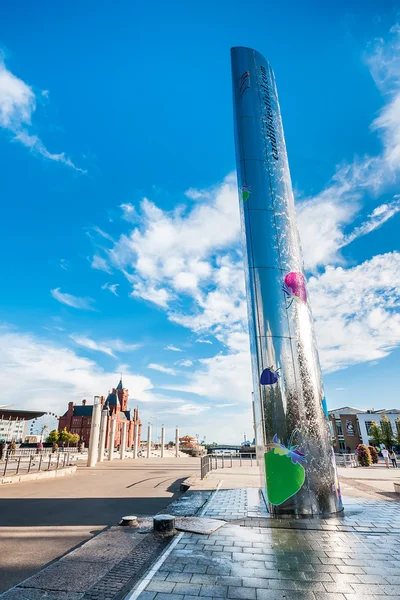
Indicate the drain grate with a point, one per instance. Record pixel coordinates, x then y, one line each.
122 577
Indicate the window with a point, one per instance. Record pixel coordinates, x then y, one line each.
342 446
339 427
368 425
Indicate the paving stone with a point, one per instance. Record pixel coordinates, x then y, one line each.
187 588
168 597
147 596
160 586
255 582
245 593
327 596
179 577
219 591
204 579
338 588
195 569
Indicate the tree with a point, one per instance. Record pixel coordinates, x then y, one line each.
74 438
53 436
398 431
64 436
387 431
375 434
363 455
374 455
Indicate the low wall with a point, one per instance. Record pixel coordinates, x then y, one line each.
37 475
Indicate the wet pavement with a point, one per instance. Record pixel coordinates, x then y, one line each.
352 557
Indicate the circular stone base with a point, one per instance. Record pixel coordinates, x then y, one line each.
129 521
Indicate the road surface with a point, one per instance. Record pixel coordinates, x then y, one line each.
42 520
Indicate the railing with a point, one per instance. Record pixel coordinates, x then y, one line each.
46 450
210 462
15 465
346 460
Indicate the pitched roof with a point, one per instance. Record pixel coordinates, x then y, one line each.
112 399
346 409
83 411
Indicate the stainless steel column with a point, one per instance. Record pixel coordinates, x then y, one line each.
103 433
135 440
177 443
148 440
292 430
162 440
113 426
94 433
123 440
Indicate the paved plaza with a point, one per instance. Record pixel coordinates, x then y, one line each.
354 556
42 520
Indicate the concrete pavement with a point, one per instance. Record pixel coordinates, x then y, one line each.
41 520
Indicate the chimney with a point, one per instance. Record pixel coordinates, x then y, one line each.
84 402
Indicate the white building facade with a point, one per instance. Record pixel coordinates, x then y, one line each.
12 430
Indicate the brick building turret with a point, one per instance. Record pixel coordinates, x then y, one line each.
78 418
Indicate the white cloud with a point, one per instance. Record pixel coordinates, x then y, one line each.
107 347
158 296
47 376
100 264
74 301
222 377
17 105
129 212
356 311
188 408
376 219
226 405
173 348
162 369
168 253
121 346
112 287
92 345
184 363
203 341
64 264
103 234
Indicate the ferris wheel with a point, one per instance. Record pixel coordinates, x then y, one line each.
43 425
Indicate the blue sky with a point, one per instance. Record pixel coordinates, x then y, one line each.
120 222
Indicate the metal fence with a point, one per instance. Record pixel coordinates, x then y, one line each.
14 465
46 450
210 462
346 460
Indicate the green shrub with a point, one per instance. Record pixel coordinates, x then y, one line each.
53 436
363 455
374 455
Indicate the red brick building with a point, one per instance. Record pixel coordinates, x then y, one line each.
78 418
